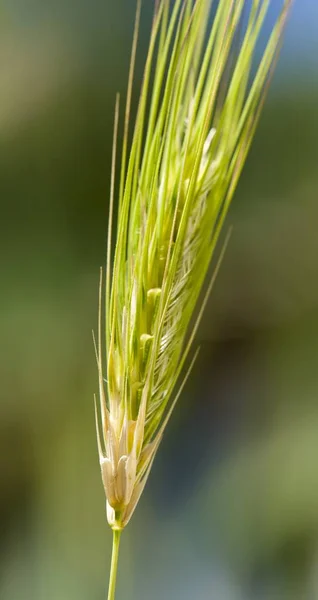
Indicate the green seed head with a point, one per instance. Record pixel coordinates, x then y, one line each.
197 114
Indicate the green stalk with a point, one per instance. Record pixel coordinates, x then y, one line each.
114 565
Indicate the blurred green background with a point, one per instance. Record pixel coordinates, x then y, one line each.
231 508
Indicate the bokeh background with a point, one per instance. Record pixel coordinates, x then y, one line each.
231 508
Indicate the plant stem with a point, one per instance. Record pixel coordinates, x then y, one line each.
114 565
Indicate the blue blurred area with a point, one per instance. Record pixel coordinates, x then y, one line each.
299 56
230 512
302 29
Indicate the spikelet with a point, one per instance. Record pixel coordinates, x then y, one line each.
196 119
